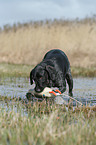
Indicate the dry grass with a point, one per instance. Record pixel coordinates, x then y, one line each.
28 44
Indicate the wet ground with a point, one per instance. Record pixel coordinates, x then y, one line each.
84 90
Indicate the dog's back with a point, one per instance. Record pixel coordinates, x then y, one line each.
60 57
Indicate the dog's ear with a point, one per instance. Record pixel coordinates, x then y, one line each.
32 73
51 72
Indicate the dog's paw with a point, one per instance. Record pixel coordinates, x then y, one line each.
71 94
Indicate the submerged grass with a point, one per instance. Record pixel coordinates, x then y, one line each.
18 70
46 124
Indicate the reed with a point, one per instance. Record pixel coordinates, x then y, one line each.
27 43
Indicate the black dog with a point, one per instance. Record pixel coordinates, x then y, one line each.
52 72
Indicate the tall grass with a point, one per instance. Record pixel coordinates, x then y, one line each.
27 43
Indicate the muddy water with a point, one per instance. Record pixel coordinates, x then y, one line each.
84 89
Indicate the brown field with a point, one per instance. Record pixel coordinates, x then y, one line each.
27 43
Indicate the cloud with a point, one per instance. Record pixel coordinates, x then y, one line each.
12 11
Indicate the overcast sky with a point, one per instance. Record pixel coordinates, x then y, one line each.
13 11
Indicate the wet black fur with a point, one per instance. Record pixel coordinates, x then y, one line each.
52 71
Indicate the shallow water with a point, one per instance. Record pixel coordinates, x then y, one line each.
84 90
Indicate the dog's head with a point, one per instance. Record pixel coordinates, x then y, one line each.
43 77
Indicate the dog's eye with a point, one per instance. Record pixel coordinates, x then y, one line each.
40 77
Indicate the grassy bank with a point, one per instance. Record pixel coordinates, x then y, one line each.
42 124
15 70
18 70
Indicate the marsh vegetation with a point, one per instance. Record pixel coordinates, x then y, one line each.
25 122
21 47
